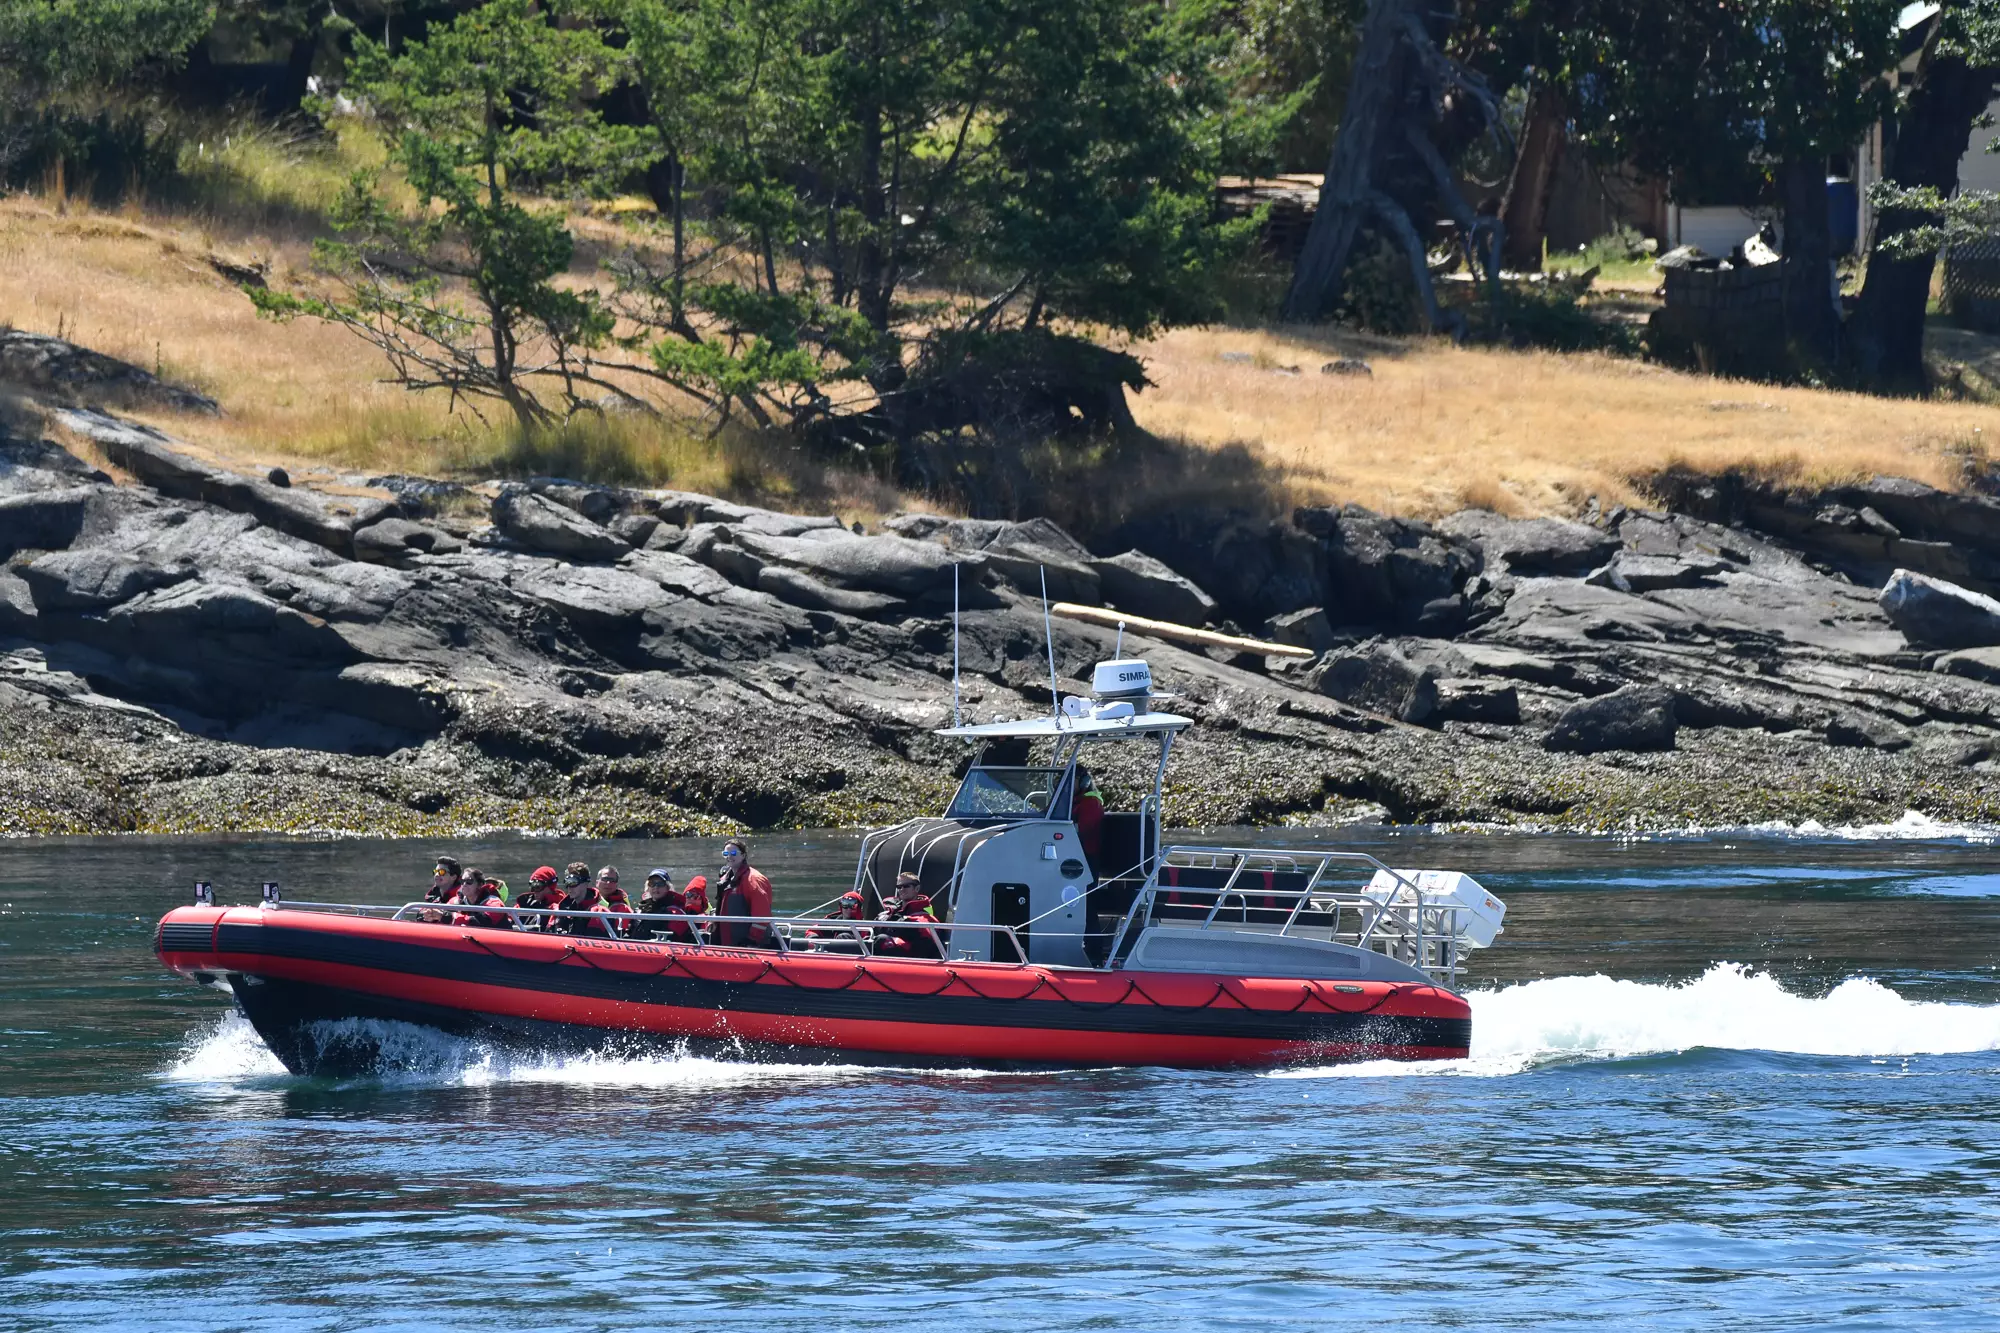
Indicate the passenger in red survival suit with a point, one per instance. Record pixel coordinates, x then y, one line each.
741 890
1086 811
911 904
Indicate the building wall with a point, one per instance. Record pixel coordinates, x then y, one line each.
1979 169
1716 230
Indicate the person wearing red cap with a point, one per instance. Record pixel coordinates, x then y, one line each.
543 892
848 906
696 896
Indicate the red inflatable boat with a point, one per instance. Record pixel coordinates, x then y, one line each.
1043 953
292 970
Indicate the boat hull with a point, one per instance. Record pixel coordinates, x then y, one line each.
294 973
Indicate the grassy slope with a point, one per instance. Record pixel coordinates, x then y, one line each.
1439 427
1435 428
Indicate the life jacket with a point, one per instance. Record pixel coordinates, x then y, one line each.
672 903
495 920
586 901
538 894
747 893
848 907
910 943
450 897
1087 813
486 897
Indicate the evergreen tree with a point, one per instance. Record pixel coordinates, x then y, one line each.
891 174
462 293
54 53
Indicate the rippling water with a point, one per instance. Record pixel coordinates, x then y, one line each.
1744 1079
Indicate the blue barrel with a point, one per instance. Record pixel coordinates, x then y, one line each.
1843 208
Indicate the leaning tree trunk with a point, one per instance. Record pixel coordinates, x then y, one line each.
1525 210
1345 197
1812 309
1886 336
1399 80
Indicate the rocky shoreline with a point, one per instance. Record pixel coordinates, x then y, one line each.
196 651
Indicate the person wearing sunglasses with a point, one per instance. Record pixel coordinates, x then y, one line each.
741 890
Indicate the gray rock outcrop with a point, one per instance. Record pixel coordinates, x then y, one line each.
78 375
1636 717
395 541
1137 583
1031 557
29 464
95 580
1944 615
1533 546
542 524
179 655
152 458
1380 678
42 521
1307 629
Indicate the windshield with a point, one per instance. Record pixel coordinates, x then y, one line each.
987 793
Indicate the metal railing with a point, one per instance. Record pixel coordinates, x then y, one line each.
786 934
1399 923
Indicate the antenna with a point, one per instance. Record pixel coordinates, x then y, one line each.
955 722
1049 635
1119 651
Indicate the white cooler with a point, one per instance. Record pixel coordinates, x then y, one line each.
1481 915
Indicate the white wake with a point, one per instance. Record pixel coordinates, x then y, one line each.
229 1051
1911 826
1729 1007
1515 1028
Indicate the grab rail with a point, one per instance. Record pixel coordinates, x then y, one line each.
1398 923
781 928
1394 920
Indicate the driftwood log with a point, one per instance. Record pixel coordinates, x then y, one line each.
1402 83
1166 629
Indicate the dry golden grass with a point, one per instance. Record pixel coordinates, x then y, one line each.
311 397
1435 428
1438 427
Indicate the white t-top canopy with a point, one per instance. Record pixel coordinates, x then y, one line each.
1047 727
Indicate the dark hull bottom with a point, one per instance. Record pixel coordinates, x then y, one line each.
303 1025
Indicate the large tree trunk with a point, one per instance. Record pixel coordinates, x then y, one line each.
1373 91
1525 210
1400 81
1886 335
1812 307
